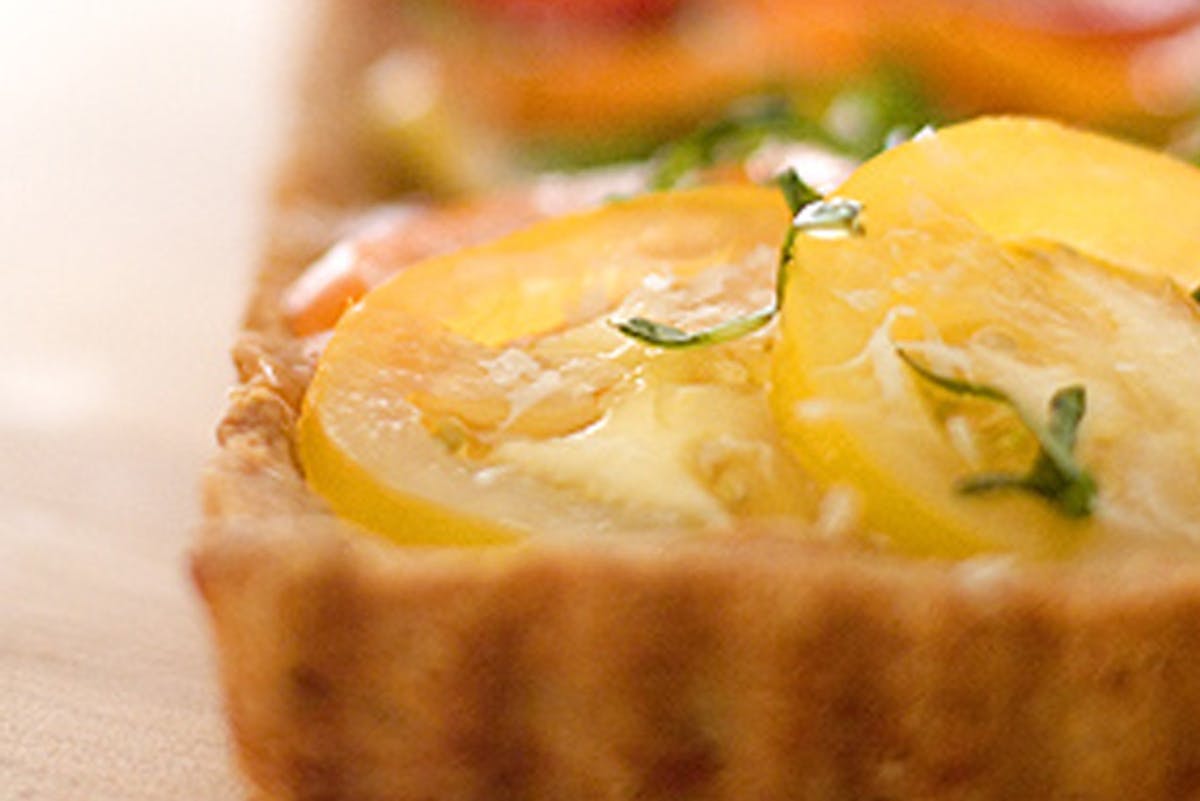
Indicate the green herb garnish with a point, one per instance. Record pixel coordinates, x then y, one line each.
668 336
1055 475
885 106
810 214
864 118
745 127
1196 294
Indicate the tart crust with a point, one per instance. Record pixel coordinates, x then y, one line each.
750 668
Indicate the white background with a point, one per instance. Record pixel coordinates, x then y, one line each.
135 143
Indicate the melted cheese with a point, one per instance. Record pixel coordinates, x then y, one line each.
681 438
693 453
1028 319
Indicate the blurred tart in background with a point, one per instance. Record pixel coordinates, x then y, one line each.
481 91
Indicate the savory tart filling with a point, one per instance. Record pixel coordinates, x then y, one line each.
492 383
954 372
950 466
1028 260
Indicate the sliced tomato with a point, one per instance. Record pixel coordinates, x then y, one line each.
1028 258
449 405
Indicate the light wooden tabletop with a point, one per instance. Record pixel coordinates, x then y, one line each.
135 143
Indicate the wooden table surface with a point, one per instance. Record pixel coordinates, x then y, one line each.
135 143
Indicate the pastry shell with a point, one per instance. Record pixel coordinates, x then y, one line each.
754 667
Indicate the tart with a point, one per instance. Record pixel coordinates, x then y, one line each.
771 657
479 91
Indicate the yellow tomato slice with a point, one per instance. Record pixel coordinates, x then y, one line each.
1021 179
461 366
988 255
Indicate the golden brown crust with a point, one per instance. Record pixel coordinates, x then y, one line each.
368 672
756 669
